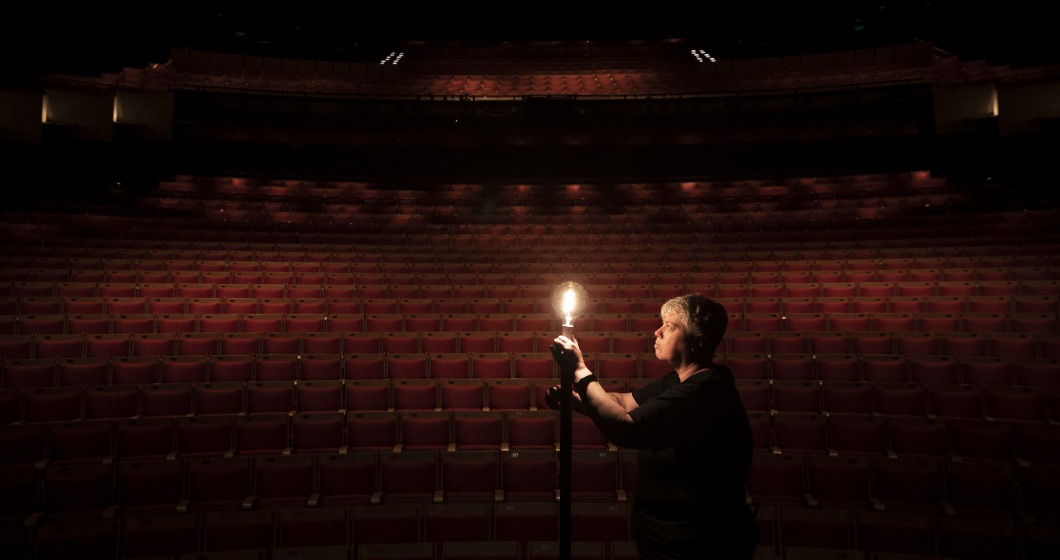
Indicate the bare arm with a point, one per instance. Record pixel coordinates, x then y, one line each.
624 400
609 411
597 401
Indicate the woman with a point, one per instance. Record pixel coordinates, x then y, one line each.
691 432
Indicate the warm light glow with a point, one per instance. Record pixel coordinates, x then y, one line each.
993 102
569 300
116 113
44 109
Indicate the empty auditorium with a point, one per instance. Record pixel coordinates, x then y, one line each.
278 280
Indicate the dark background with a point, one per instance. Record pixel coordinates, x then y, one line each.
866 131
96 36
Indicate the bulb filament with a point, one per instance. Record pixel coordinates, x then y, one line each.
569 302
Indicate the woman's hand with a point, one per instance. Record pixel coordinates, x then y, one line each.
568 355
554 399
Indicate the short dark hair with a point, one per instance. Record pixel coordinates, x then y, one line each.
704 319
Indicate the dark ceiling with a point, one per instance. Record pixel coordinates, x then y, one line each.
104 36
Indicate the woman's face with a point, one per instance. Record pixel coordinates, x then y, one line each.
670 340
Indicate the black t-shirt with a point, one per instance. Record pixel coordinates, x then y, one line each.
694 444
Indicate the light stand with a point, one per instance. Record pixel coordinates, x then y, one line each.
568 300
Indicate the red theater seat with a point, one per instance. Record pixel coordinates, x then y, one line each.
410 475
318 432
531 430
529 475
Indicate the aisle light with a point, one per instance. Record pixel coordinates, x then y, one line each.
703 56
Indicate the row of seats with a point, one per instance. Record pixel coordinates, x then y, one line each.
500 231
936 399
410 219
860 213
263 299
137 487
956 439
1018 291
377 298
71 281
909 485
296 288
72 360
431 73
160 486
323 252
756 233
617 83
527 232
238 181
374 253
813 227
116 400
873 539
255 193
490 249
228 434
252 303
75 403
369 272
484 245
343 322
887 202
873 226
200 361
522 223
518 532
762 228
637 211
52 545
962 345
876 368
180 335
633 83
225 420
241 193
146 299
1042 324
527 219
320 251
322 344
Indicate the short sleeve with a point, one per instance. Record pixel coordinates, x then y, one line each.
653 389
662 420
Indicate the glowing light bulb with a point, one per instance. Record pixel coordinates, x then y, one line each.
569 301
568 306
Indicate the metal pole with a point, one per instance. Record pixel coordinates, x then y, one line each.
565 446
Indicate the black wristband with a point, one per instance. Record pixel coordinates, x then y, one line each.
582 384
